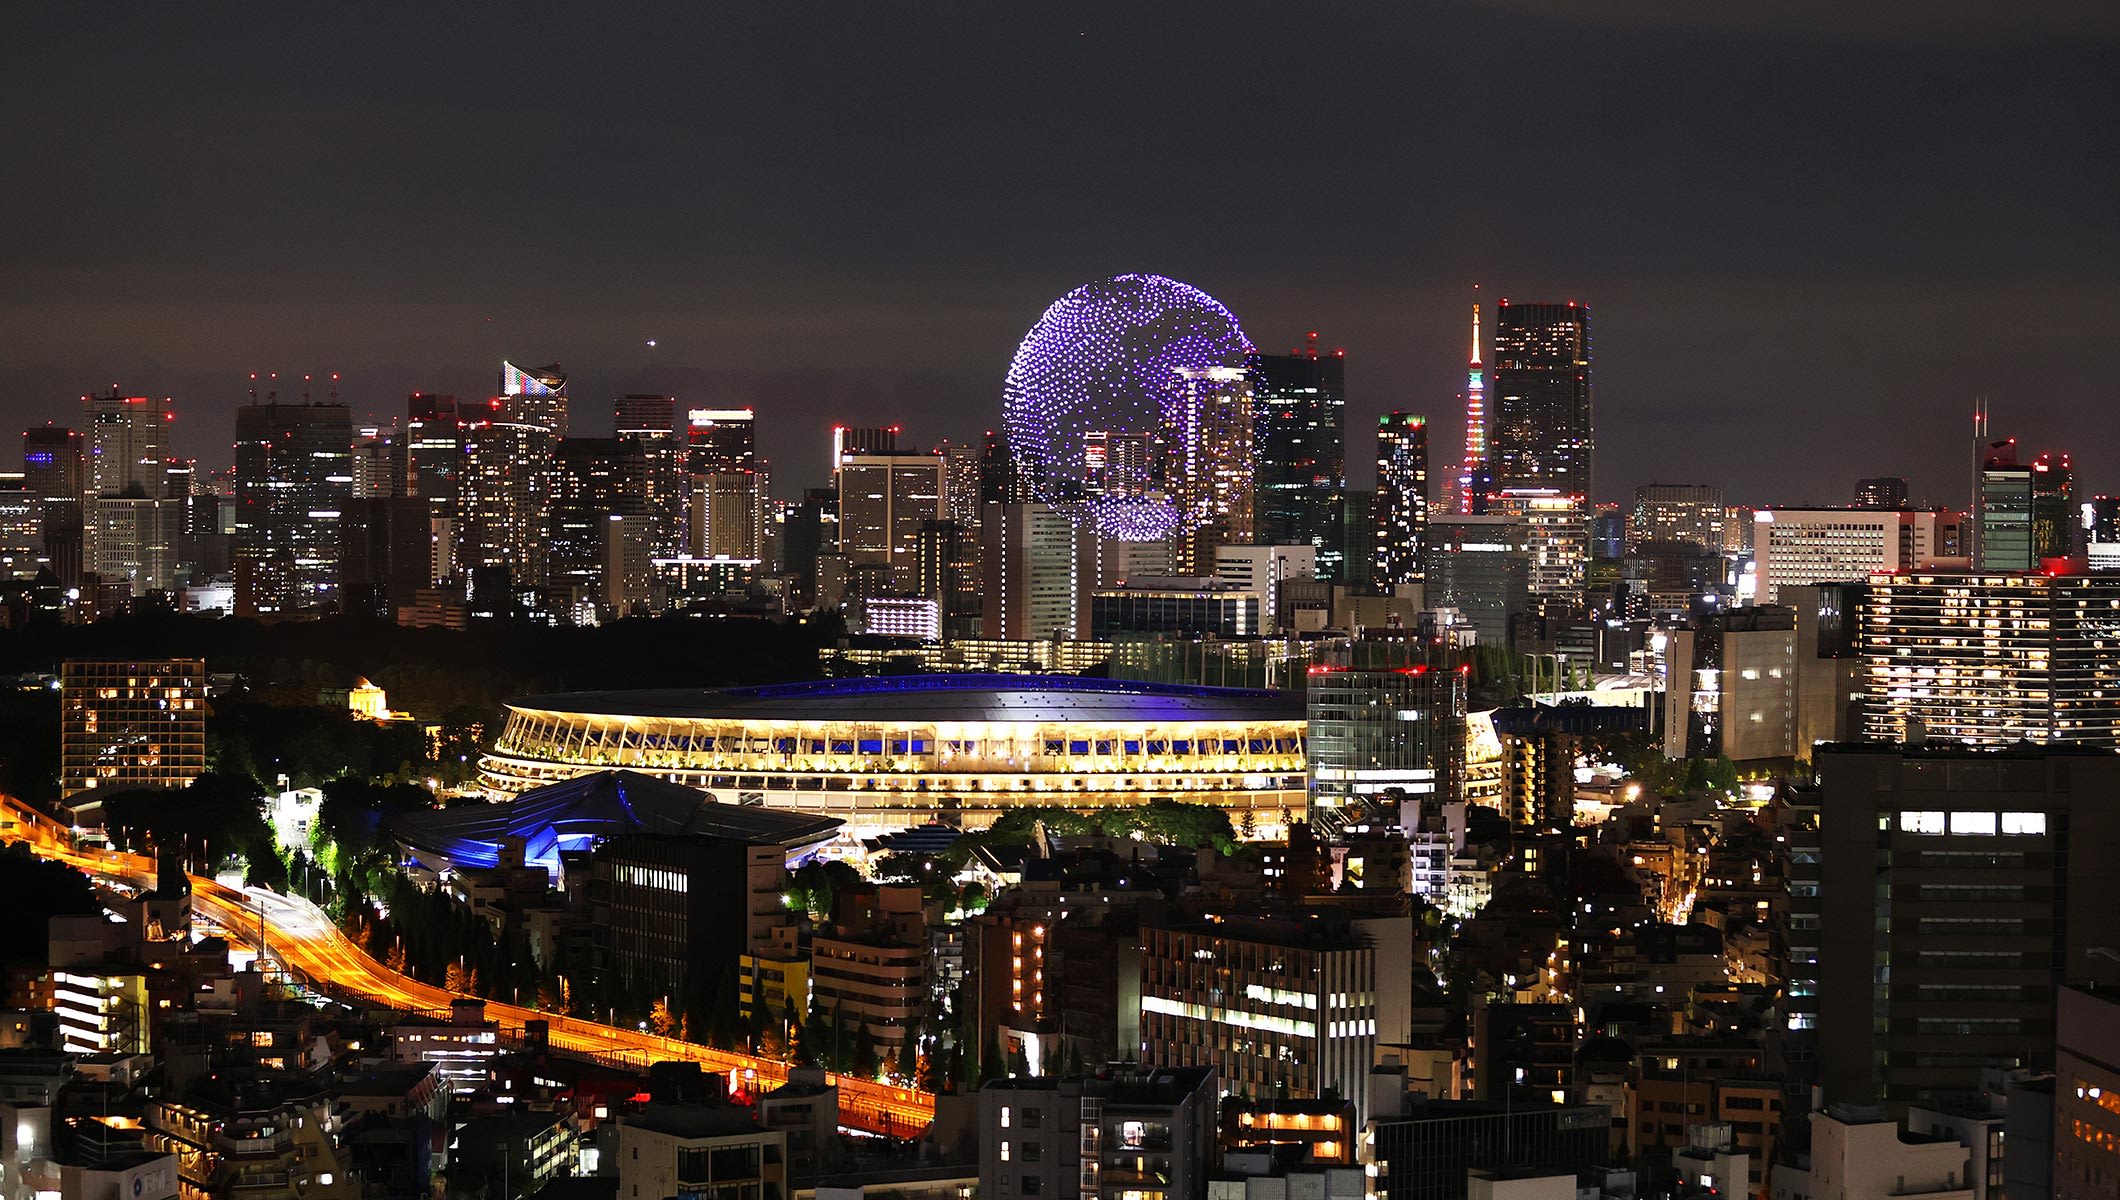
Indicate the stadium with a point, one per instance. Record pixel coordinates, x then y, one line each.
883 754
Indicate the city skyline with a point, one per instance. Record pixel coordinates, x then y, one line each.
1884 273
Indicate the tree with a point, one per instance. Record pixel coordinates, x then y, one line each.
396 959
460 979
661 1021
993 1061
725 1023
814 1049
862 1060
908 1065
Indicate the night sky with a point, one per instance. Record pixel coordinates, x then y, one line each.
1809 237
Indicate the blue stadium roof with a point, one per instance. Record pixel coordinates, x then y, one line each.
576 813
929 698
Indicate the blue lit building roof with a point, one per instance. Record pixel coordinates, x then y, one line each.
576 813
936 698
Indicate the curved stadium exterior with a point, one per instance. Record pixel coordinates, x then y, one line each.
888 753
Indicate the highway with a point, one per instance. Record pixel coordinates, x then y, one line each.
303 940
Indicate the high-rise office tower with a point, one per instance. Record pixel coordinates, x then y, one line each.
1800 546
728 516
1480 566
848 440
386 554
1881 491
1387 728
1299 407
651 421
2057 526
720 440
2002 536
600 482
294 479
1544 429
949 574
54 465
1211 474
644 415
963 465
1689 513
536 397
504 498
1957 891
728 483
1401 506
1033 560
1476 475
128 437
434 450
132 537
378 461
21 531
1358 536
1992 659
1002 479
1556 541
884 501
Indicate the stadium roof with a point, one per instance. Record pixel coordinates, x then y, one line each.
575 813
937 698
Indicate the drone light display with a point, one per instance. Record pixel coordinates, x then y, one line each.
1129 405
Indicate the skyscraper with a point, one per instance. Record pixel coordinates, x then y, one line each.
599 482
1299 409
1881 491
1476 476
294 480
651 421
53 464
434 450
505 496
644 415
720 439
378 461
2003 533
1480 565
1691 513
849 440
884 501
1002 478
128 437
1556 540
1544 431
1032 559
1401 507
728 483
537 397
1213 479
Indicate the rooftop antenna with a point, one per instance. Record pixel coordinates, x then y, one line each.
1973 509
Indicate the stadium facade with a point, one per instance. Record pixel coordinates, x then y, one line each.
897 752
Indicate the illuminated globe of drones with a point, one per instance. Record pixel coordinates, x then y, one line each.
1106 407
